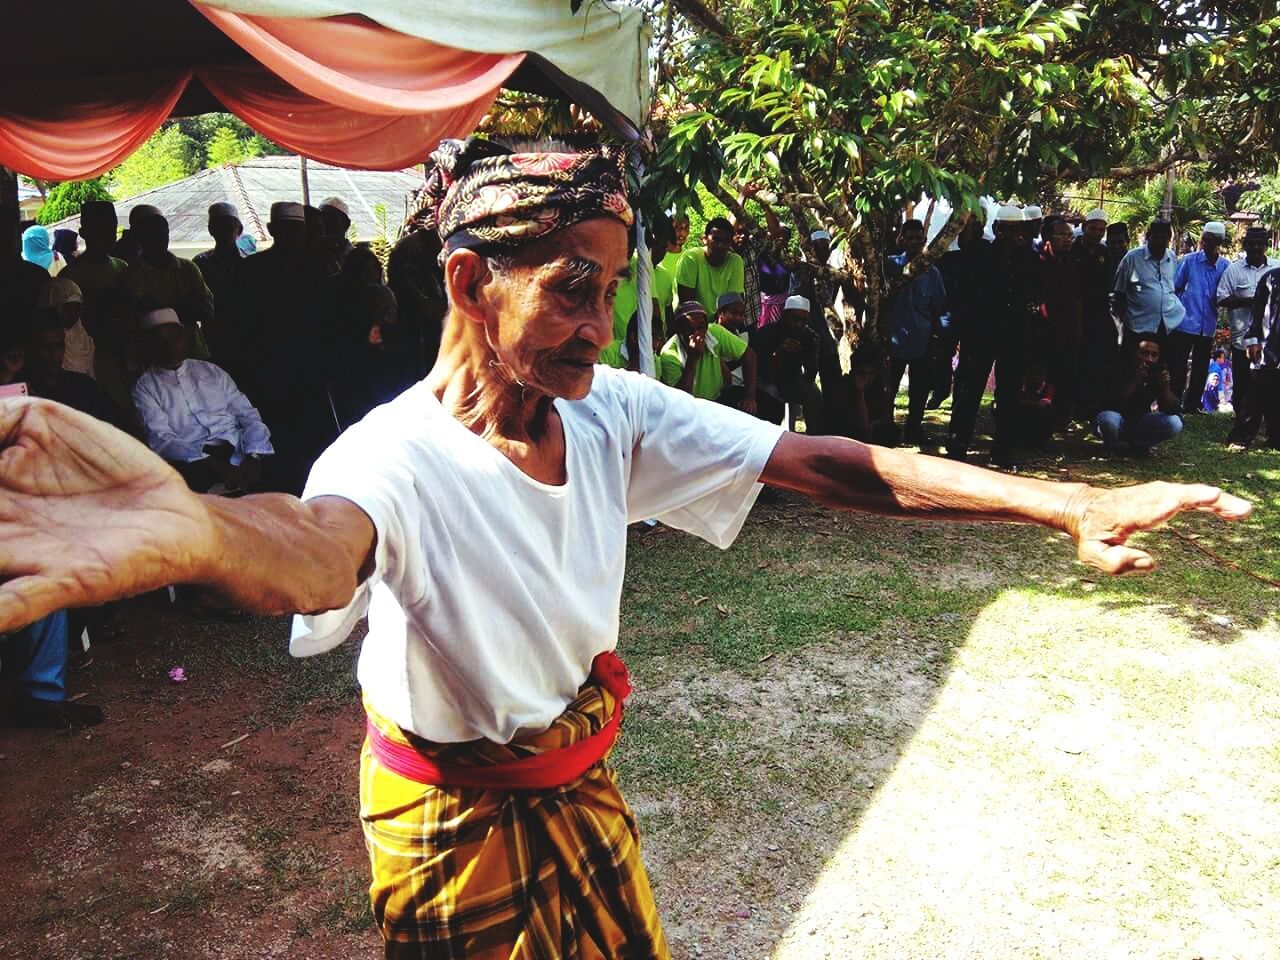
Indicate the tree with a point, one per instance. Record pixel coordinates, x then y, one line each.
167 156
225 147
65 199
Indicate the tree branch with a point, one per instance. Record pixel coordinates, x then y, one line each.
697 14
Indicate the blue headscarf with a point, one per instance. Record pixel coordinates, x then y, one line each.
36 247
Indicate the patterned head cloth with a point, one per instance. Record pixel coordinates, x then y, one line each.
480 194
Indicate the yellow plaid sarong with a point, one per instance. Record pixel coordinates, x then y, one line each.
508 875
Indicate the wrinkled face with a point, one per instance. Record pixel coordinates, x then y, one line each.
1256 249
1061 238
547 316
1158 238
167 345
717 242
45 353
1093 232
912 240
153 236
224 230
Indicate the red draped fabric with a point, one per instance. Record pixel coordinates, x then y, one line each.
342 90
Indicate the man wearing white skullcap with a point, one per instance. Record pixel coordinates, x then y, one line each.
1035 223
1099 334
787 363
337 221
1196 284
193 415
220 268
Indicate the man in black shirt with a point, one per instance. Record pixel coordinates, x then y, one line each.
787 354
1141 382
1262 347
1099 335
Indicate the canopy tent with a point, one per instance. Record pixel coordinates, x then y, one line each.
370 84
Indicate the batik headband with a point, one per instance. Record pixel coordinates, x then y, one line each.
480 194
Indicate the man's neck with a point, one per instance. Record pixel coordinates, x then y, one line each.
711 259
160 259
227 251
96 254
477 390
1210 258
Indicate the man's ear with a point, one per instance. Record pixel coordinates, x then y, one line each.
465 275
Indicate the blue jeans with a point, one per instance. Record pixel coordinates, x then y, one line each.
1141 433
36 656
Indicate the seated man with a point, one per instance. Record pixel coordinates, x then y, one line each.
625 354
1141 383
34 659
699 357
787 353
43 370
193 415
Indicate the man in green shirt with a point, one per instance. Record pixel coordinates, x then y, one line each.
703 275
624 302
698 358
624 354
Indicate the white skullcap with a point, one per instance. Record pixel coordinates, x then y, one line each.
1010 213
1215 228
819 235
796 303
141 212
57 291
1096 214
157 318
224 209
337 203
1033 213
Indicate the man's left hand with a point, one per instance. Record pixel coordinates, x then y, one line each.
1104 520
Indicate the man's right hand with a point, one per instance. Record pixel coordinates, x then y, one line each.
696 343
88 514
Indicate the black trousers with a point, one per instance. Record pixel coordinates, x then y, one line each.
1262 402
976 361
918 389
1241 377
1180 348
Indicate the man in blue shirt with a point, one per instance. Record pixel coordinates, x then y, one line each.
1144 287
1196 284
914 312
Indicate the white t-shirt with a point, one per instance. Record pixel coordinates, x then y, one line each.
491 592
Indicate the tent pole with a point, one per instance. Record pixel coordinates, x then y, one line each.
306 185
644 301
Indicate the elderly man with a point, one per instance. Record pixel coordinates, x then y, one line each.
704 274
480 518
193 415
915 311
1144 287
1236 291
1196 284
220 268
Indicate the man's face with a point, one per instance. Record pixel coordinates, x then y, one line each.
1118 238
693 328
288 236
1061 238
734 316
1093 232
1158 240
796 318
1013 232
1148 354
153 236
224 230
167 345
45 353
99 232
550 315
1210 244
682 232
822 249
717 241
912 240
335 222
1255 249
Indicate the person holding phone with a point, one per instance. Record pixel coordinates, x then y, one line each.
1143 411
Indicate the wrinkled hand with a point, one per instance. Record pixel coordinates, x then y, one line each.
87 514
1105 519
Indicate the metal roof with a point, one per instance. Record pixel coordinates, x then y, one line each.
255 184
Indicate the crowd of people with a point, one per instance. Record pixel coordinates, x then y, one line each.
1059 314
239 367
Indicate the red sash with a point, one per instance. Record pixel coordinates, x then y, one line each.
543 771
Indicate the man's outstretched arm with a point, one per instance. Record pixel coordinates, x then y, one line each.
88 514
849 475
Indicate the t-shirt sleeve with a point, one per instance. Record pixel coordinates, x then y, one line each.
732 346
359 468
695 464
687 270
669 367
1224 285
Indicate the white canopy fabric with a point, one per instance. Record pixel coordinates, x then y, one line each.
604 46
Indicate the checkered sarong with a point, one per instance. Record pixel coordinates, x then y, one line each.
508 875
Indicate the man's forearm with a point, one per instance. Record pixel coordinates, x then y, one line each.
849 475
687 374
276 554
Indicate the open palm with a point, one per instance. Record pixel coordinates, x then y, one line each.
87 514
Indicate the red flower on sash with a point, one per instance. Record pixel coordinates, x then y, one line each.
610 672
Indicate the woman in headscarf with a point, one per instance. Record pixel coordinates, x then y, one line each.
65 297
481 520
37 248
